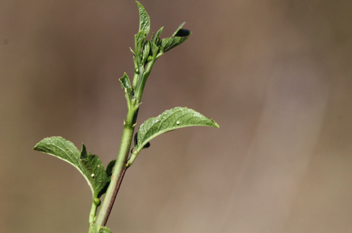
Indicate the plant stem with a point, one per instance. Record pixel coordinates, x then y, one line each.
119 169
142 79
127 135
92 213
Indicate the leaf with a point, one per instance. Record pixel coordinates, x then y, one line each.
169 120
89 165
156 40
180 36
178 29
126 86
125 83
94 170
155 50
146 51
132 51
144 20
108 174
138 42
109 168
59 147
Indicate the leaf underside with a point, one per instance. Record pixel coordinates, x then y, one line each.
89 165
169 120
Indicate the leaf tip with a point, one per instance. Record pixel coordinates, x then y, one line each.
144 19
84 153
183 33
36 147
39 146
216 125
180 32
139 4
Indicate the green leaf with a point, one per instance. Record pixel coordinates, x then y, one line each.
125 83
94 172
169 120
89 165
126 86
108 175
104 230
180 36
146 52
156 40
155 50
132 51
109 168
144 20
178 29
138 42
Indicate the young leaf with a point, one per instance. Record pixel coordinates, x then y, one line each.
178 29
89 165
180 36
144 20
155 50
125 83
146 51
156 40
126 86
169 120
139 39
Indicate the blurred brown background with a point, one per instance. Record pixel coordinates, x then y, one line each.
275 75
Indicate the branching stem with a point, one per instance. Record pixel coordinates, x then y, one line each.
118 171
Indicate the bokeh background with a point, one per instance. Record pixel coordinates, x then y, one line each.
275 75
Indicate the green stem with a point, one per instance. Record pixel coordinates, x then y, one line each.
118 171
122 157
92 213
142 79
